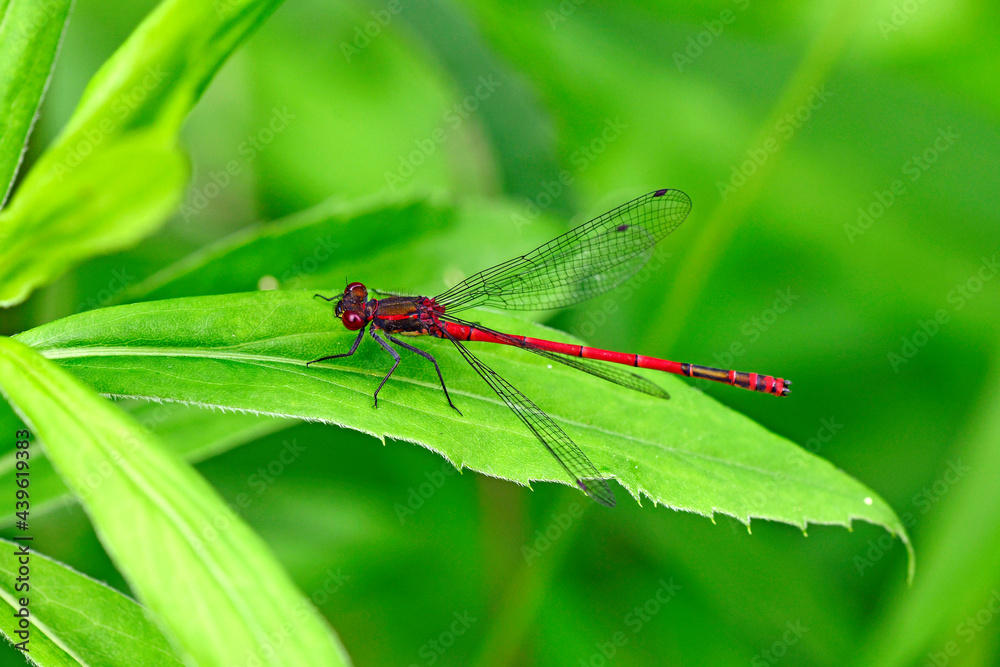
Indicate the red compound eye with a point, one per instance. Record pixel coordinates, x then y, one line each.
354 286
352 320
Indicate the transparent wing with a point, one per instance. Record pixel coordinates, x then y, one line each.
565 451
584 262
604 370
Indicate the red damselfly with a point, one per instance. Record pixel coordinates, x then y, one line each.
589 260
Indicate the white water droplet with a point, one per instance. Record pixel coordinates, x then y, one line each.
868 501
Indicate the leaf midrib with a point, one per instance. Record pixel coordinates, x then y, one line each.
243 357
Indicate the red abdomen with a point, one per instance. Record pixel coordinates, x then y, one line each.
753 381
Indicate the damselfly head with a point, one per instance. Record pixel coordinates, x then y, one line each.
351 309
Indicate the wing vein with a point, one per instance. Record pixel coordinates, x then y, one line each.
593 258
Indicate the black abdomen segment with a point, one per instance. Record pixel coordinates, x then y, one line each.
766 384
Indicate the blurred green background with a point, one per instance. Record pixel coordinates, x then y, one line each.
841 157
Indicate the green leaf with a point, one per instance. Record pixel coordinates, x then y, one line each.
247 352
153 80
30 33
113 174
110 201
192 433
209 579
76 620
